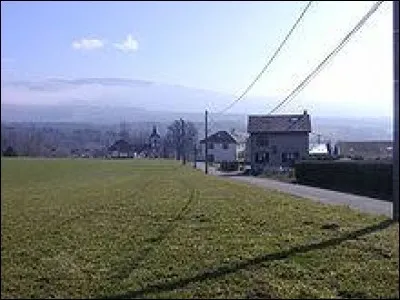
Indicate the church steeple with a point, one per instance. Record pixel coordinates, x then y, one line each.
154 133
123 132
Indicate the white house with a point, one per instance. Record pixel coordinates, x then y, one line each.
223 146
319 149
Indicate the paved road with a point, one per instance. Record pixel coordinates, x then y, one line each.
364 204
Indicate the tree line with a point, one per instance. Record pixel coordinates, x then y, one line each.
65 140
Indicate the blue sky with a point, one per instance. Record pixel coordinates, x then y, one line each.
217 46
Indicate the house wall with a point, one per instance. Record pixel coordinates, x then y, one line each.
241 151
248 151
366 150
284 143
219 153
155 142
155 147
115 154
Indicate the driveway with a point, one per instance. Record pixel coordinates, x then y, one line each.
364 204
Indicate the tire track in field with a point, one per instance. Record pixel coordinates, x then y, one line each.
124 273
163 234
128 268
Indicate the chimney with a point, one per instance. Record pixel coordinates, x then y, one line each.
305 112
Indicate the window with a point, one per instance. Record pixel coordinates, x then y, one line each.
262 141
262 157
296 155
225 146
286 157
210 146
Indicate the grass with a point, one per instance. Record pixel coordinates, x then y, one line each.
155 229
279 177
286 176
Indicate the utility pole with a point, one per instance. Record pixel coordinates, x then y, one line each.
395 208
183 141
195 157
206 143
319 139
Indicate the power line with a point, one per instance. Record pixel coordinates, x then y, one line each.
206 142
270 60
324 62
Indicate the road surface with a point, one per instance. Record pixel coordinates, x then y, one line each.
364 204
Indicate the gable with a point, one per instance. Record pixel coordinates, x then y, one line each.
220 137
121 146
240 138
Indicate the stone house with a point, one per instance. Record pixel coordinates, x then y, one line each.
277 140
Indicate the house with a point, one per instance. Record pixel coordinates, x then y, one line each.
99 152
320 151
223 146
121 149
241 140
365 149
277 140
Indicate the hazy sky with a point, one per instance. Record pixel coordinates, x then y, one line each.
217 46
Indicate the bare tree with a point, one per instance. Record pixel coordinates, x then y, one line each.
174 138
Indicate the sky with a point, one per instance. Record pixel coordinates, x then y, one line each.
214 46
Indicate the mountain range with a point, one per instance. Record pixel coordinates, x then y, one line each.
113 100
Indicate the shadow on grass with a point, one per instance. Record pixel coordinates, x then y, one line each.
239 265
130 266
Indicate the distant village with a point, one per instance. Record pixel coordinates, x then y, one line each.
271 141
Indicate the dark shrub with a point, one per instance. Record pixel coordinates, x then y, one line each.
228 166
10 151
367 178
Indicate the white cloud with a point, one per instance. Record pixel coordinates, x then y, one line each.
87 44
128 45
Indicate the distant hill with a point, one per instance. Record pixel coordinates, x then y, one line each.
106 101
330 128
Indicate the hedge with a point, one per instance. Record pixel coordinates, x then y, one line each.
367 178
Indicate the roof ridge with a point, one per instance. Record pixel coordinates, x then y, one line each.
275 116
279 123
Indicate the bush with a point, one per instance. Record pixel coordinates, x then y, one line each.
10 151
228 166
321 157
358 157
367 178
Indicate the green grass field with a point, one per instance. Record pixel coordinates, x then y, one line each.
156 229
